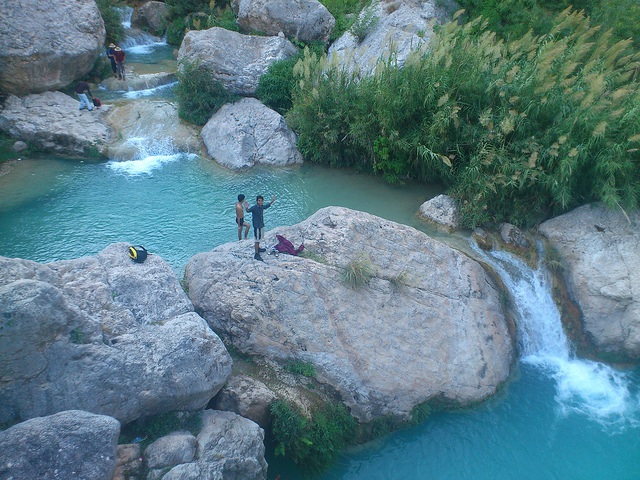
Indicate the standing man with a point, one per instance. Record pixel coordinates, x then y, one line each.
257 212
110 52
82 87
118 55
240 218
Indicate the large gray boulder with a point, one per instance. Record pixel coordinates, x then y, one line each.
306 20
47 44
52 122
396 28
229 447
247 132
151 17
235 60
599 251
105 335
68 445
428 323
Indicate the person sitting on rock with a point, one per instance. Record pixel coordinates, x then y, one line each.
82 87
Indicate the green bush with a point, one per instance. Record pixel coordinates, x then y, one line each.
345 12
518 130
301 368
315 443
364 23
275 86
199 95
185 15
112 20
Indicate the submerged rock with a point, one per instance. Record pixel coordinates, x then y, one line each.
426 321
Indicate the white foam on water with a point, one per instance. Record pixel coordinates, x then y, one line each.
584 387
143 166
149 91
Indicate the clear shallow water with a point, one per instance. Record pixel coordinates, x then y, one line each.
176 205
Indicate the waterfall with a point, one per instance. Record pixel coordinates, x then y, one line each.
136 41
582 386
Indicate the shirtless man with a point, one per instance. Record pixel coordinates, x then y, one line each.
240 218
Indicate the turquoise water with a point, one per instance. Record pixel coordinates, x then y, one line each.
175 205
548 422
558 418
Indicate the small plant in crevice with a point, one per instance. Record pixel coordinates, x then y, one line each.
358 272
365 23
298 367
552 259
399 280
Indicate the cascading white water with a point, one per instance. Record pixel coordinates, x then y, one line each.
582 386
136 41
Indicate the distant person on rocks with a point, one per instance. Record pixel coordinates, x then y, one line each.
257 213
119 56
240 218
110 54
82 87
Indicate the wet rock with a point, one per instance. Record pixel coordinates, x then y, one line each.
599 251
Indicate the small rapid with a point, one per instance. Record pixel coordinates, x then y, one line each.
584 387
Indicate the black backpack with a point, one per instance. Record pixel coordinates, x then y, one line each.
138 253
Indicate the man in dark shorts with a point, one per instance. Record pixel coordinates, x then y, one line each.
257 213
240 218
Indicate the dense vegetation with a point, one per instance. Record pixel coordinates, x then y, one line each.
522 113
112 21
513 18
314 443
517 129
199 96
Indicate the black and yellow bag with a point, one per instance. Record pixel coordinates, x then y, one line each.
138 253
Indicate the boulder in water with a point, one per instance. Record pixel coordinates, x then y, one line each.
247 133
